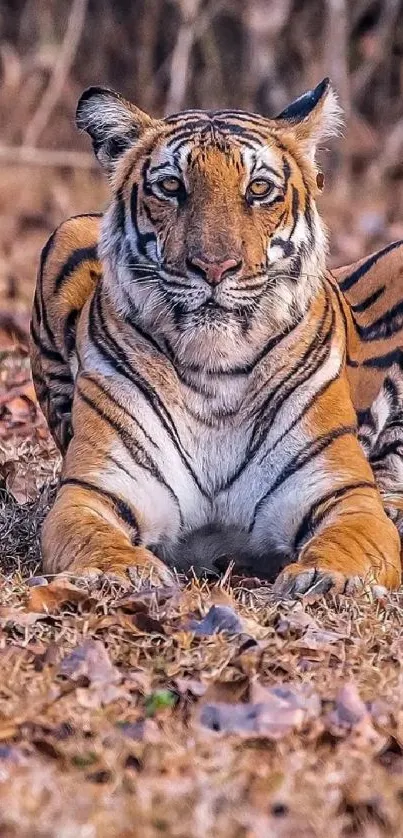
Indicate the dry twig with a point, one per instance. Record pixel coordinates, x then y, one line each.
60 73
27 155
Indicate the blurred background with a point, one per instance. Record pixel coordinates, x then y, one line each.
170 54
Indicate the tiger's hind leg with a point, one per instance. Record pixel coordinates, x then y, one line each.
381 436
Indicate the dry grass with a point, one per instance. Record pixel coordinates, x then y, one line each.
119 741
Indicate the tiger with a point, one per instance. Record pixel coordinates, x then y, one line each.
213 387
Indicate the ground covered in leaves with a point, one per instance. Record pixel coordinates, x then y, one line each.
192 711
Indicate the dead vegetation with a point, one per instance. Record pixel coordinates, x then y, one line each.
189 711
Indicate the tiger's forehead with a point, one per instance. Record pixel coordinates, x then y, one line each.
198 140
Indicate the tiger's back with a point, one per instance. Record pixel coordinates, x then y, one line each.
68 272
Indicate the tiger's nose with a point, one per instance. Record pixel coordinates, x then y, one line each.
214 272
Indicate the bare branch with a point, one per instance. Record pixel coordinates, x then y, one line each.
26 155
60 73
181 55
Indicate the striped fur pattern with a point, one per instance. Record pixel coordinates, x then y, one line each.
202 377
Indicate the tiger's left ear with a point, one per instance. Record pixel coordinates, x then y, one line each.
313 117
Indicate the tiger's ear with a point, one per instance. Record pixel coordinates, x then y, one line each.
313 117
113 124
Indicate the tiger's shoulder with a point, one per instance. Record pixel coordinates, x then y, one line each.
373 292
373 285
69 260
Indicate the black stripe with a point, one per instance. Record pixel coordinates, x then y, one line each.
40 306
143 239
353 278
294 209
369 301
177 135
312 360
365 417
384 327
313 357
136 451
50 354
314 398
314 517
310 451
37 310
60 377
252 135
82 254
69 330
115 355
392 392
286 172
129 319
186 117
106 393
394 447
120 507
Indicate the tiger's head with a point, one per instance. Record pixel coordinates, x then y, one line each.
212 235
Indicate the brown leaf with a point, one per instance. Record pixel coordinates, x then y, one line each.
220 618
190 686
143 600
12 616
49 598
21 481
90 661
280 711
7 730
90 666
349 708
296 620
302 697
226 692
316 638
147 624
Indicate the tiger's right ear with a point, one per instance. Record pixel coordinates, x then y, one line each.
113 124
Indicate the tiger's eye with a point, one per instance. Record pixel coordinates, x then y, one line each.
170 185
259 188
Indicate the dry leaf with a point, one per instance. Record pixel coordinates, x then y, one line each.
13 616
294 620
279 712
21 481
254 719
190 686
317 639
146 598
349 708
90 661
90 665
49 598
220 618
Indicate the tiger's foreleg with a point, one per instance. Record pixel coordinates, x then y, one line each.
85 532
349 542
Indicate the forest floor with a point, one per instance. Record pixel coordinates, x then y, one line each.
192 711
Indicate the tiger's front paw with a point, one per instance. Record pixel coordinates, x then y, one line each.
132 567
302 580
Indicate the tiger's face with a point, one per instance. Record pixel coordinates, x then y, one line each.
213 222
